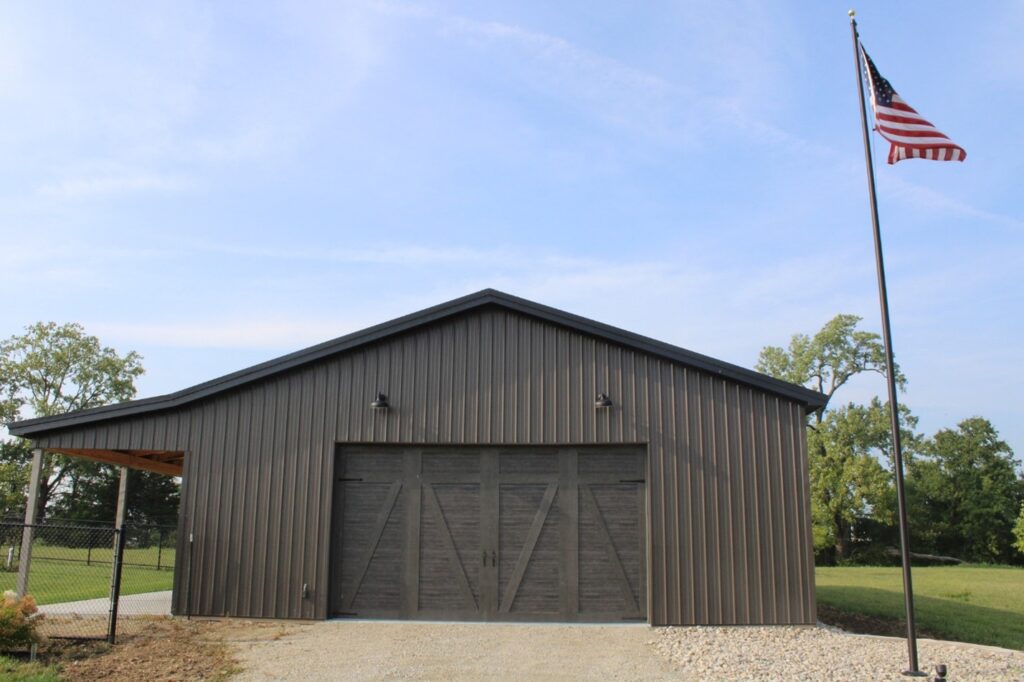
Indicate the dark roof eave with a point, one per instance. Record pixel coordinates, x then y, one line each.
813 400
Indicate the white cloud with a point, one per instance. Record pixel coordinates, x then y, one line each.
84 187
919 196
274 333
404 254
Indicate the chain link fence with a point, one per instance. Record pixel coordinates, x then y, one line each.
91 582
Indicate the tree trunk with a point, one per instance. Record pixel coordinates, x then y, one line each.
842 545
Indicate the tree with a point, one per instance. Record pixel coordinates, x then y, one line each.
52 369
849 485
14 474
1018 532
152 498
966 492
826 361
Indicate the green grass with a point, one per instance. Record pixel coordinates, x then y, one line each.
980 604
53 581
11 670
147 556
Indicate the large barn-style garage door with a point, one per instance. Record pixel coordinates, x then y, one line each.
490 534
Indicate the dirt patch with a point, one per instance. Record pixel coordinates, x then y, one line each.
864 624
164 650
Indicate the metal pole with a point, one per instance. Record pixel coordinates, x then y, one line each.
890 374
25 560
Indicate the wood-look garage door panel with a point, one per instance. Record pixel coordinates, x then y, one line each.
611 568
372 540
531 462
451 465
449 566
490 534
382 465
530 553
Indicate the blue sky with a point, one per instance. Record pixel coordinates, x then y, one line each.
215 185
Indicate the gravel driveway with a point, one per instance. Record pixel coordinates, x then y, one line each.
361 650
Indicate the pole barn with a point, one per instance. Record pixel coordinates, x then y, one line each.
489 458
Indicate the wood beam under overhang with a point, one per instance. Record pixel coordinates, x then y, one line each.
167 463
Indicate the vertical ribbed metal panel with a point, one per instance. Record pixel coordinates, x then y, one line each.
729 525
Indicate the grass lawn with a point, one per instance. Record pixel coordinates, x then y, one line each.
980 604
61 574
142 557
16 671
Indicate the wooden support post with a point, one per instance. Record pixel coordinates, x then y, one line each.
118 562
25 560
122 499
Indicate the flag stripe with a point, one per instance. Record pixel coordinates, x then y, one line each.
918 137
884 122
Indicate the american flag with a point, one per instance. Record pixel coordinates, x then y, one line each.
911 136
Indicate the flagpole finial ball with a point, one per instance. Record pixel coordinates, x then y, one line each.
852 13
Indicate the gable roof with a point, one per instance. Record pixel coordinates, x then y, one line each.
812 400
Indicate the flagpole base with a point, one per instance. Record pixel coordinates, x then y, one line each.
914 673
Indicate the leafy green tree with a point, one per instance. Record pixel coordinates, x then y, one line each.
14 474
152 498
827 360
1018 532
848 482
966 493
52 369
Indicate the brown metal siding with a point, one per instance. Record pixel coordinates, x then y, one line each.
729 514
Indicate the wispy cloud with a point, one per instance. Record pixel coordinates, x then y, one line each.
404 254
84 187
926 198
602 71
615 92
676 111
660 297
281 333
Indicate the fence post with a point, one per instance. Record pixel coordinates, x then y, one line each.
159 546
115 584
25 560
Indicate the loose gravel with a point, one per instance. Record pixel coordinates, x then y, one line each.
367 650
821 653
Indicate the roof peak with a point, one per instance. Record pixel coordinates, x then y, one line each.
811 399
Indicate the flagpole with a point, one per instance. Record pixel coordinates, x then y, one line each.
883 301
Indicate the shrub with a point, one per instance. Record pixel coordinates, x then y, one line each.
18 620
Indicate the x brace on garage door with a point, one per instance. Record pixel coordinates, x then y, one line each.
490 534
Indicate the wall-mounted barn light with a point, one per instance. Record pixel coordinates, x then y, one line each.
603 400
381 403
